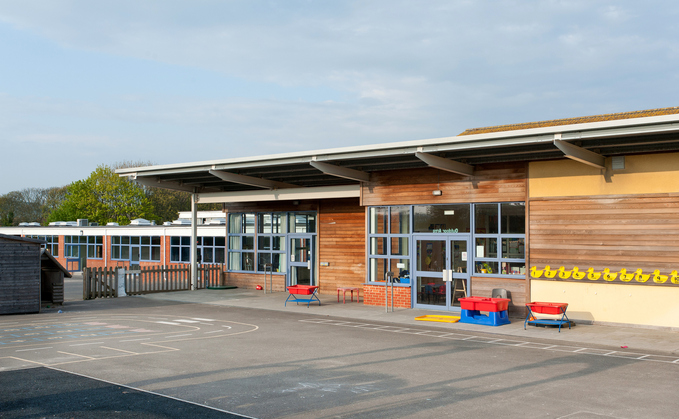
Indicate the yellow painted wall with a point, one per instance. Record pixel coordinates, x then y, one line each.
614 303
644 174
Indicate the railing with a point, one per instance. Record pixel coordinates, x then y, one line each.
104 282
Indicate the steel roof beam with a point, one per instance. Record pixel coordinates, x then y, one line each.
445 164
580 154
343 172
250 181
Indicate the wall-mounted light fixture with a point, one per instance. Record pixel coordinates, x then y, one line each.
437 192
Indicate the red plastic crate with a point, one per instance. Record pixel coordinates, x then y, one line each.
484 304
302 289
547 308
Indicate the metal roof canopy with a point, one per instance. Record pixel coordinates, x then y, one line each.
308 174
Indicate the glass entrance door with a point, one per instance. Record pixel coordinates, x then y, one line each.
301 263
441 274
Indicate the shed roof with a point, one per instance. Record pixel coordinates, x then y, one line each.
48 261
22 239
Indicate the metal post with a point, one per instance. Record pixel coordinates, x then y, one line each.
268 268
194 242
387 279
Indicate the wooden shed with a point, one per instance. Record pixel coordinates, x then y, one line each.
52 275
19 275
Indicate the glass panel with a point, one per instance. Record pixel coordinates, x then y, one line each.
234 261
67 239
248 242
460 256
279 243
378 269
248 259
264 242
134 240
186 254
431 255
234 243
399 246
249 224
235 224
311 223
278 224
378 220
155 240
186 241
99 252
486 247
300 275
174 241
208 241
115 252
114 240
400 220
174 254
278 261
378 245
145 240
513 218
145 253
220 241
514 268
134 253
401 270
219 255
431 291
486 268
264 223
513 248
300 249
262 260
485 218
207 254
441 218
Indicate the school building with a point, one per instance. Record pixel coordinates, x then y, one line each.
581 210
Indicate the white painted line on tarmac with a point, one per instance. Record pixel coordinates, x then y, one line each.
214 331
178 336
33 349
170 323
186 321
83 344
203 320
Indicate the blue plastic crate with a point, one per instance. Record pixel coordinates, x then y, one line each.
493 318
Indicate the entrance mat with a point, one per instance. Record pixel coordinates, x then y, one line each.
222 287
438 318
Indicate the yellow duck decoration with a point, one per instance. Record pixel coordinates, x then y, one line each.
549 273
673 277
641 277
659 279
609 276
535 273
593 276
564 274
577 274
624 276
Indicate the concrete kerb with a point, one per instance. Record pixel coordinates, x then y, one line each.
615 337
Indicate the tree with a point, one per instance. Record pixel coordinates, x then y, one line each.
104 197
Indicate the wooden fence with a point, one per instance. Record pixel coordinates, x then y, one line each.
104 282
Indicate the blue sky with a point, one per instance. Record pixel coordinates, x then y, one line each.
84 83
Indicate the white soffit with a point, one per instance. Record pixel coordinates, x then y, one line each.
289 194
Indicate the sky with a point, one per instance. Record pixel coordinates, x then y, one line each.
85 83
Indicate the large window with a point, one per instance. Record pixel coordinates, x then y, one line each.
257 240
135 248
92 245
389 243
52 244
499 234
271 229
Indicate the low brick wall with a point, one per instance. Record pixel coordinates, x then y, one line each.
373 295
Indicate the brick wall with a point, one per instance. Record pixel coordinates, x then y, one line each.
373 295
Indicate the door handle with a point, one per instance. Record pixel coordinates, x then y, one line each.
308 264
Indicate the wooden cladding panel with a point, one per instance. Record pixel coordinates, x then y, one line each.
602 232
490 183
483 287
341 238
19 277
